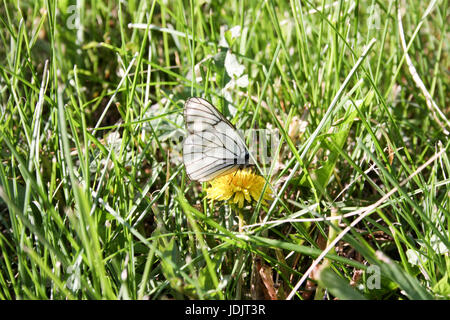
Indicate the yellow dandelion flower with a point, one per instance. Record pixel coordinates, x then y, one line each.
237 187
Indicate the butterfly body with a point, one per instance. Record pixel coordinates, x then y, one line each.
213 146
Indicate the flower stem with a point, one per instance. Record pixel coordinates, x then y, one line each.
241 220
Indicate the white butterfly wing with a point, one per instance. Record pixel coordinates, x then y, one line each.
213 147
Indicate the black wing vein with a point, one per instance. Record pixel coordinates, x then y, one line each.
211 150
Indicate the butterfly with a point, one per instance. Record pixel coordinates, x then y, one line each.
213 147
